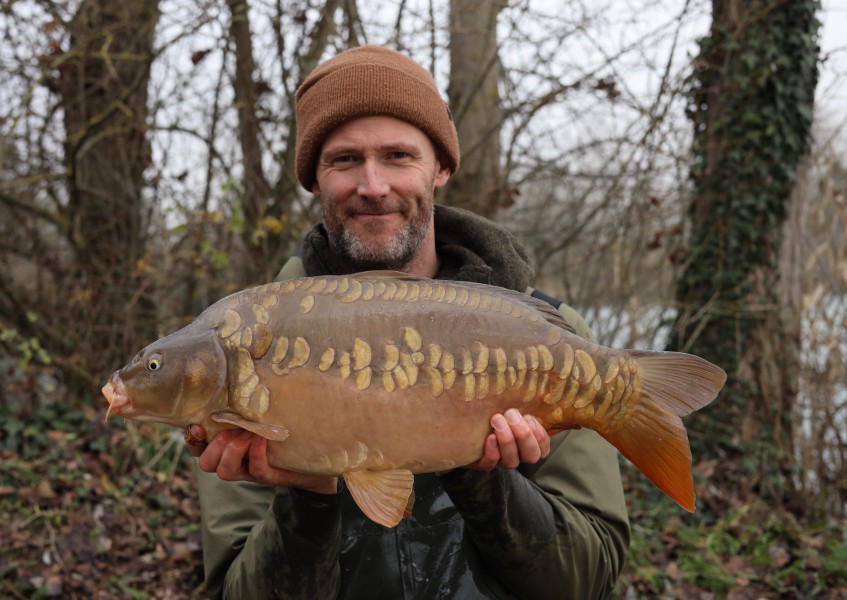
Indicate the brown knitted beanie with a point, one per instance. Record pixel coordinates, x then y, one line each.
369 81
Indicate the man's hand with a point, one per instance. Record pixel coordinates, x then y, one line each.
239 455
516 439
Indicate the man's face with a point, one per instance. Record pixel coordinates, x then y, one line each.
376 177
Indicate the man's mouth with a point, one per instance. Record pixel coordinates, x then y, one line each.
376 219
356 208
374 215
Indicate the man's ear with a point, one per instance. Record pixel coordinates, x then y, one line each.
442 174
316 189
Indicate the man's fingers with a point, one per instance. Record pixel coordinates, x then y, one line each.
211 456
509 457
528 449
257 460
261 471
491 454
231 464
239 455
520 439
541 436
195 440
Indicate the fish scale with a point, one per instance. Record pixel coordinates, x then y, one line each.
377 376
574 383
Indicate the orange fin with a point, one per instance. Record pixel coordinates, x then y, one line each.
410 504
682 382
384 496
653 437
383 274
276 433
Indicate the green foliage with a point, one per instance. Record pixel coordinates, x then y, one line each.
34 437
27 437
751 551
218 258
236 220
835 562
27 349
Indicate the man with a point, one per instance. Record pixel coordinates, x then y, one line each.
534 518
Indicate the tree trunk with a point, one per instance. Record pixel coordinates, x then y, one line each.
103 89
286 191
751 104
254 189
475 72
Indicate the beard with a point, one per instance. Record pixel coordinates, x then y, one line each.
365 254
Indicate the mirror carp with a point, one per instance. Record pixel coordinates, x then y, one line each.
380 375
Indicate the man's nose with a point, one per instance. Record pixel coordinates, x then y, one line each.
373 182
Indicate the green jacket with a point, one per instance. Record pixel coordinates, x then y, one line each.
558 529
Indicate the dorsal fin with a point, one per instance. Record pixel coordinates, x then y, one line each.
389 275
549 312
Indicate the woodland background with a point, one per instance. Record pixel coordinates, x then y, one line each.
676 169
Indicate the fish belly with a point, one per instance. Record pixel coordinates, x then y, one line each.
334 429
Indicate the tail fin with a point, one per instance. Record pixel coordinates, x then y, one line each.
653 437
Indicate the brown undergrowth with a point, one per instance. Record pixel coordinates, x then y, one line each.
109 510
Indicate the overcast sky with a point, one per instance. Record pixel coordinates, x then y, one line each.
832 88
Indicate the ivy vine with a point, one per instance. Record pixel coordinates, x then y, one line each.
751 98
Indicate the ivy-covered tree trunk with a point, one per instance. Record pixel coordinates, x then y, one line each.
751 101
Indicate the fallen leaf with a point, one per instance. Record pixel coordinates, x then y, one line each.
779 555
56 437
736 563
673 571
180 552
53 586
45 490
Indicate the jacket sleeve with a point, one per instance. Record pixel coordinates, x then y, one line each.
562 533
261 542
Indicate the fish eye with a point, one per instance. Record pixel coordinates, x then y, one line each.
154 363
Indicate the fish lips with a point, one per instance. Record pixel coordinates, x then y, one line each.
116 395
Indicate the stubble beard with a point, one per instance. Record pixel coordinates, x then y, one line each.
394 254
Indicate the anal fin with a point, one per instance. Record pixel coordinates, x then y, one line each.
385 497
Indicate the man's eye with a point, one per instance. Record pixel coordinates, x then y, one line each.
343 159
398 155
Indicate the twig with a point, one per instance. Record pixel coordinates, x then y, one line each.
12 590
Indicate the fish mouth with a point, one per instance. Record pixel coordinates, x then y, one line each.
115 393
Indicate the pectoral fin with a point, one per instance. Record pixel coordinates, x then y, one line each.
384 496
275 433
